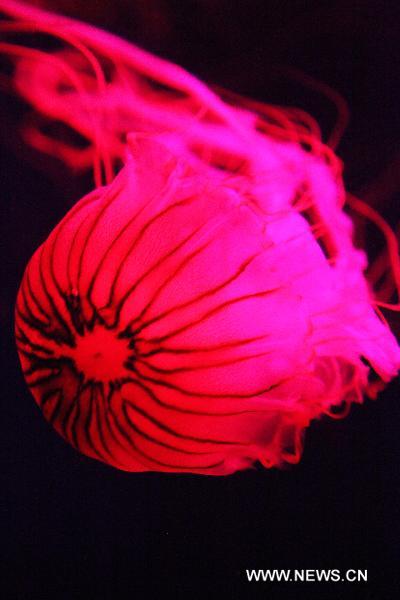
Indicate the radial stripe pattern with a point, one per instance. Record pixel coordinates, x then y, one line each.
179 325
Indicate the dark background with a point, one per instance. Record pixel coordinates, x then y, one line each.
75 528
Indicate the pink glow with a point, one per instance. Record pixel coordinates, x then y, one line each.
199 310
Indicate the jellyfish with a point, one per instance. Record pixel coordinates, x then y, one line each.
205 302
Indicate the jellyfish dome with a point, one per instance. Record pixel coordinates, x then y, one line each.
198 310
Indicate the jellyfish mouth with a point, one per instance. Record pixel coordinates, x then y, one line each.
102 356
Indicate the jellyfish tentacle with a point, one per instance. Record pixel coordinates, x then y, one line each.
392 243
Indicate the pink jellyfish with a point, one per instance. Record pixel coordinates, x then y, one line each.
196 311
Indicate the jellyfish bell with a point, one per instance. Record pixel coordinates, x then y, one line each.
197 311
167 324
